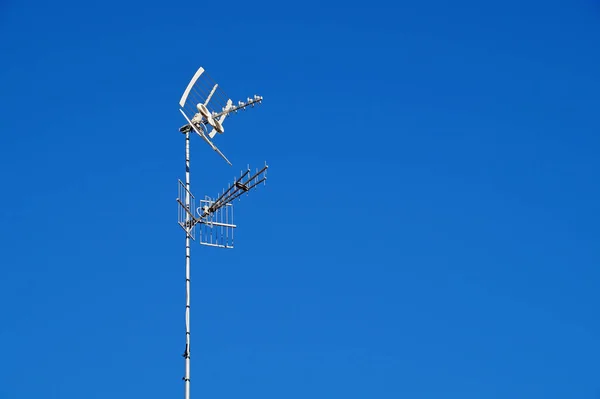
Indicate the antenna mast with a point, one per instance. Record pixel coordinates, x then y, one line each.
215 217
188 195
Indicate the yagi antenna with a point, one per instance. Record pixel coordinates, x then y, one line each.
205 106
200 112
215 216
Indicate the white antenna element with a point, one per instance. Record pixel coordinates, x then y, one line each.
200 112
204 104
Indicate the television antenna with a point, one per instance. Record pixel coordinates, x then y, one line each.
205 106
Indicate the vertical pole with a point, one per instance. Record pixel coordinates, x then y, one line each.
186 354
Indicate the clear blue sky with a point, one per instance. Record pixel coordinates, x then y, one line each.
430 228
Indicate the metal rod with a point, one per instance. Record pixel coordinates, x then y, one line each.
208 244
193 220
226 222
211 94
186 354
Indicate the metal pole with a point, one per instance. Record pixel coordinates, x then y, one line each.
186 354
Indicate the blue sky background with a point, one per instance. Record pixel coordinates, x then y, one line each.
429 230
